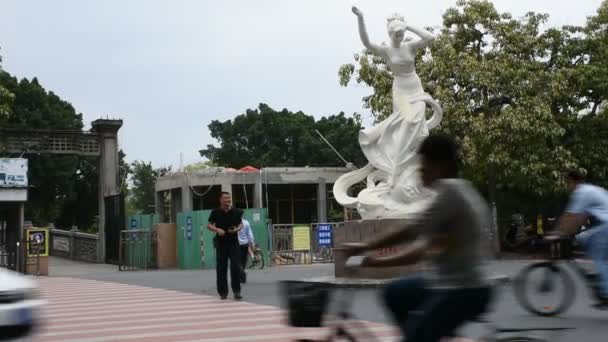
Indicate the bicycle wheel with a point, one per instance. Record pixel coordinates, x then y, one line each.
542 282
259 258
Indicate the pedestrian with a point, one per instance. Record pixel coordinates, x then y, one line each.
451 231
226 223
246 241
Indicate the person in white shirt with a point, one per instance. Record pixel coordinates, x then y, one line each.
246 241
588 202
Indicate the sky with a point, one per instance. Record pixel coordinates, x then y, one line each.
170 67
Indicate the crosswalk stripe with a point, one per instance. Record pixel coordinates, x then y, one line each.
94 311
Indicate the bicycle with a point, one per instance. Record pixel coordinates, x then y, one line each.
256 258
552 275
307 304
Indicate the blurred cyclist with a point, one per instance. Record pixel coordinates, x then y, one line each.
431 306
588 203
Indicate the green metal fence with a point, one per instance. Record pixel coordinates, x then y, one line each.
137 250
195 242
142 221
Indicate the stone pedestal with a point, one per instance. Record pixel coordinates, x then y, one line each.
357 231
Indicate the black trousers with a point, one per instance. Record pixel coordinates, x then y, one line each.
244 254
228 251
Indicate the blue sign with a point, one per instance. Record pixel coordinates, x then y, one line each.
325 235
189 227
133 226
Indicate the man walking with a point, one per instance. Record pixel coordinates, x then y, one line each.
246 241
225 221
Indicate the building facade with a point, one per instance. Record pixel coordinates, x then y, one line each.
292 195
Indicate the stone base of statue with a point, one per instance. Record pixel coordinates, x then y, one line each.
358 231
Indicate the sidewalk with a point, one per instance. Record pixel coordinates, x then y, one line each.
60 267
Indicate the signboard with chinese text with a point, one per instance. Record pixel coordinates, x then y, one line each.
301 238
325 235
13 173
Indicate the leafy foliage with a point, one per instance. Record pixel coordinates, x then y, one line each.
63 188
265 137
142 192
198 166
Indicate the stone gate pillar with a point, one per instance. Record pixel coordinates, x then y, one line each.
109 175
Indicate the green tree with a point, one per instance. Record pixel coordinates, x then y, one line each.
588 130
199 166
6 99
266 137
57 192
143 179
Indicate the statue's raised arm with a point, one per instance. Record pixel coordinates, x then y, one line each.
363 32
426 37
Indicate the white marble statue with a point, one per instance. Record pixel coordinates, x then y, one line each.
394 189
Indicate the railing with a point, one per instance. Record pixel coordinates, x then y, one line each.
73 245
283 252
137 250
8 259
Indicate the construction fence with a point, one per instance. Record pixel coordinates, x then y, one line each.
303 243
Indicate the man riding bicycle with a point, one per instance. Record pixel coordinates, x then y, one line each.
431 307
588 202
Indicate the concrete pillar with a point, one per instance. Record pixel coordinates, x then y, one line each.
176 204
322 202
159 201
21 220
187 204
109 176
227 187
257 195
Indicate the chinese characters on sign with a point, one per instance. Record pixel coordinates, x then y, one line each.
189 227
301 238
324 235
13 173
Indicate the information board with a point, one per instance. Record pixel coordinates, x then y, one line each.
325 235
301 238
37 242
13 173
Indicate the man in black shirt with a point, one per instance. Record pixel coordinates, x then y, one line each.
226 223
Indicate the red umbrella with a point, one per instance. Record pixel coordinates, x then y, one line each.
249 168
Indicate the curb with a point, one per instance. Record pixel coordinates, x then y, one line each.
347 283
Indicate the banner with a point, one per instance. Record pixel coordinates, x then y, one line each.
325 235
301 238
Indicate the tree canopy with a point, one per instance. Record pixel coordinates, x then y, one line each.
522 99
266 137
141 195
63 189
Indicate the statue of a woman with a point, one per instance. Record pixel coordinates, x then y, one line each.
393 185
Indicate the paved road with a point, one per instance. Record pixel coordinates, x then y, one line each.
82 310
263 289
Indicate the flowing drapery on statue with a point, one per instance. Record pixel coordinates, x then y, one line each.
394 189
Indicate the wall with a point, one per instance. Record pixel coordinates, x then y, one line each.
73 245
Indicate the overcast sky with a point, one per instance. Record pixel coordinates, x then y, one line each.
169 67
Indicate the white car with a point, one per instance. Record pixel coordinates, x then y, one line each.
18 305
